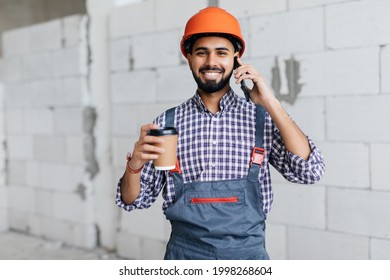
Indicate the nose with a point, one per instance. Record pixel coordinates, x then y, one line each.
211 59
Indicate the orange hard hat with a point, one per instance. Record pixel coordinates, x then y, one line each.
212 21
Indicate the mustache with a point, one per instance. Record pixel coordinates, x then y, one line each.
209 68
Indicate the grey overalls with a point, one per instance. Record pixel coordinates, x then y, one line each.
219 219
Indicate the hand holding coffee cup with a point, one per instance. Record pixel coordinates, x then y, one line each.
167 159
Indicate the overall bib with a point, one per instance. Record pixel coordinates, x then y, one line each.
219 219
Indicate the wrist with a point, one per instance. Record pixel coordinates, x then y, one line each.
130 168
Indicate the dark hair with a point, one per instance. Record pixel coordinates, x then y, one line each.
189 43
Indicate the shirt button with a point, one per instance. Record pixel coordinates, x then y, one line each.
213 165
214 142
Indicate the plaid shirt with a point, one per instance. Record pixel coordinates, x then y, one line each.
218 147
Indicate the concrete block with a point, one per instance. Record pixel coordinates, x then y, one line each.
16 42
360 124
37 66
295 31
33 174
276 241
380 249
69 120
45 36
120 54
132 19
298 4
380 166
69 91
3 220
21 198
136 247
309 244
11 69
39 121
127 119
186 9
78 213
15 121
253 7
120 146
16 95
43 202
79 235
175 84
359 212
346 165
299 205
69 62
71 30
153 249
74 149
19 220
309 115
339 72
72 91
3 197
128 246
49 148
16 172
357 24
147 55
20 147
63 177
385 69
134 87
150 222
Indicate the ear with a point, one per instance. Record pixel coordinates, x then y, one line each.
189 59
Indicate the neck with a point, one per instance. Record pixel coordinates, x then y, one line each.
211 100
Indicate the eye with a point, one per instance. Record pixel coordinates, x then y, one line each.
222 53
200 53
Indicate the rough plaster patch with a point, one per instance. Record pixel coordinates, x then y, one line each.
292 75
90 117
81 191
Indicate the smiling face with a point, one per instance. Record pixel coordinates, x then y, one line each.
211 63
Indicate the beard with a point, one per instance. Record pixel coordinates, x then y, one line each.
211 86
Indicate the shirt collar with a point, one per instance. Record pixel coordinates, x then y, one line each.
227 102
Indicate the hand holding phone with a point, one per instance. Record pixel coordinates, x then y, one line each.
244 88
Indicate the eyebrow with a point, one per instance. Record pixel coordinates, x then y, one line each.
218 49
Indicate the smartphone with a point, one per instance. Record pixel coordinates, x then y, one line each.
244 88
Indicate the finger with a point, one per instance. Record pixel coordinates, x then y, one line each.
151 149
145 128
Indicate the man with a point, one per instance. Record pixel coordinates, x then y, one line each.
219 195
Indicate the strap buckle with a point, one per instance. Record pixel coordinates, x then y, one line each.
177 168
258 155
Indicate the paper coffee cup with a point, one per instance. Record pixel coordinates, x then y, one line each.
166 160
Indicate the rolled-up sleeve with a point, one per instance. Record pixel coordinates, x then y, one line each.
151 184
294 168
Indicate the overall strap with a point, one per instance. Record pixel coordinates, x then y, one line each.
170 117
170 121
258 151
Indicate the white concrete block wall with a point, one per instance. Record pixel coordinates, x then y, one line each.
342 50
46 95
296 31
3 174
385 69
358 24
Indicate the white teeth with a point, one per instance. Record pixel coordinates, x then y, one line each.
211 74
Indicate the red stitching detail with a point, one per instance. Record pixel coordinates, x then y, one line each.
199 200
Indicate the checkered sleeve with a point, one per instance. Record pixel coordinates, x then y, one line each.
294 168
152 183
